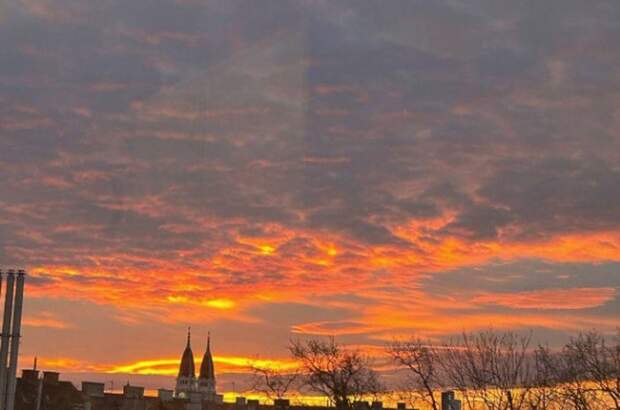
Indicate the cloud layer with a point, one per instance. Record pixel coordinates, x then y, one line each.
363 169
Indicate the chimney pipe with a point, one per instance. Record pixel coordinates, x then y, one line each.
15 336
6 328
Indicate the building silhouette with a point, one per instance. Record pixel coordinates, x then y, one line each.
186 379
187 386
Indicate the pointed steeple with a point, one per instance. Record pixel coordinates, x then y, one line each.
187 368
207 369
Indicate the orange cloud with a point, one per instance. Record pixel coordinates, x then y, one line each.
45 319
222 303
575 298
335 328
316 265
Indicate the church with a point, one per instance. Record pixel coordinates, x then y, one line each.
187 384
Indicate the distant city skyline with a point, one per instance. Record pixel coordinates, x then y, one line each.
368 170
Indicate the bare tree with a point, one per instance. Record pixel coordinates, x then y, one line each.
489 367
498 371
420 359
583 375
544 394
602 363
571 383
342 375
590 371
274 383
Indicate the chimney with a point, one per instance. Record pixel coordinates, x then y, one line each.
15 336
6 329
50 377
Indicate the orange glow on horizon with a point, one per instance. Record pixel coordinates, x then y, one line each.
170 367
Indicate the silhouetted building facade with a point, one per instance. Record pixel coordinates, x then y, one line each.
34 391
187 386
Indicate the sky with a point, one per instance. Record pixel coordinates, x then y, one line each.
279 169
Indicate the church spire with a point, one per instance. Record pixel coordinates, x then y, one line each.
207 369
187 360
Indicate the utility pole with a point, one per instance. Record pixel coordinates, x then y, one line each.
39 392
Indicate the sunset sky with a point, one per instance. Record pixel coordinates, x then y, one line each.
272 169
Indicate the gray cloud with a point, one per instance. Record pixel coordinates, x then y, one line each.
148 131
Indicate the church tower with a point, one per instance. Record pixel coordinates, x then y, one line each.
186 379
206 379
